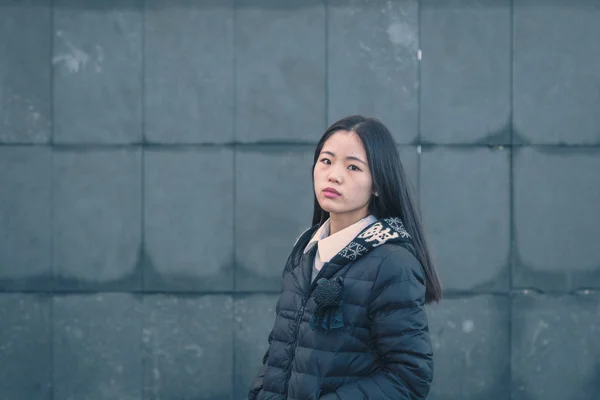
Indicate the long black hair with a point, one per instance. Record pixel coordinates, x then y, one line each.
390 181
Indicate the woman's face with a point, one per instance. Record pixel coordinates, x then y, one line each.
342 167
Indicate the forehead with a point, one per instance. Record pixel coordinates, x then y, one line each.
344 142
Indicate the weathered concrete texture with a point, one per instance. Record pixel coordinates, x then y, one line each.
97 352
274 199
471 344
25 74
465 198
25 347
372 63
556 218
556 71
25 210
189 71
280 70
155 172
97 64
188 344
466 71
188 219
556 347
97 213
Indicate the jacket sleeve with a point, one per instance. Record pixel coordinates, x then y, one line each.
400 334
257 384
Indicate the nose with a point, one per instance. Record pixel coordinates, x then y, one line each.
335 175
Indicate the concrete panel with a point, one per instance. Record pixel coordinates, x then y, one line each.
556 347
97 219
97 72
25 210
188 345
274 205
280 70
466 71
189 77
556 218
97 347
372 63
556 73
25 75
471 345
25 347
465 199
188 220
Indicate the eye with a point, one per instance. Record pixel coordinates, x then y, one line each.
354 166
325 161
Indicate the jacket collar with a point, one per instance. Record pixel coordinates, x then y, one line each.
384 230
330 245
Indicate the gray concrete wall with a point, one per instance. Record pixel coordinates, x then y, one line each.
155 170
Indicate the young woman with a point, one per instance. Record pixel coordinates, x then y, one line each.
350 321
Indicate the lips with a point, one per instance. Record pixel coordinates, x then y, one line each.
331 190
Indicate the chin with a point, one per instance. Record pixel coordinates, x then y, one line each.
324 207
327 207
334 210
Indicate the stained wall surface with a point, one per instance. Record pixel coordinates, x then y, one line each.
155 170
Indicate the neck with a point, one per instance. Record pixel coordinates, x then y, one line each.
338 222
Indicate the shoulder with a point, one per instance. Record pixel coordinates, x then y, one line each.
400 279
298 248
397 262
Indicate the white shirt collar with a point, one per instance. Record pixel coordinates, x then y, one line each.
330 245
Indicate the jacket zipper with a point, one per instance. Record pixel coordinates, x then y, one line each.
297 329
296 334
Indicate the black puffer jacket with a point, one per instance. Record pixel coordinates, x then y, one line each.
381 350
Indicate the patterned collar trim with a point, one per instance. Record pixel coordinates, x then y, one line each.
330 245
386 230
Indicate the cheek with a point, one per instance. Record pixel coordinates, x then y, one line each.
361 191
365 190
316 174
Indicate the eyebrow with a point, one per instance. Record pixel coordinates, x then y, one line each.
347 158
